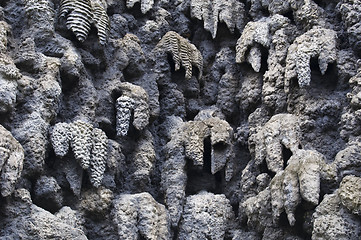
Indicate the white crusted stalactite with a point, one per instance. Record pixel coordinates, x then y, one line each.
350 193
4 29
300 180
101 19
206 216
9 73
281 131
143 161
153 218
317 42
310 175
124 106
277 198
332 220
291 190
98 157
81 14
40 14
78 16
81 142
60 138
134 100
230 12
254 33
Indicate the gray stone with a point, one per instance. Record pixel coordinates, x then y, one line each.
206 216
139 215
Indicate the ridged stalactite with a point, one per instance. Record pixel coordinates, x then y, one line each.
81 14
184 53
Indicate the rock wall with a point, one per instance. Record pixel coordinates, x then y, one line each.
180 119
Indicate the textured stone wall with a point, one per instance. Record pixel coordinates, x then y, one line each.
180 119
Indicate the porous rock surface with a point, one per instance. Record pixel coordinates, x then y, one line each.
180 119
140 215
206 216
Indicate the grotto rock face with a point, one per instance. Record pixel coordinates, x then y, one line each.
180 119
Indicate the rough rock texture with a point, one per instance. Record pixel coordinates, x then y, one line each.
97 202
206 216
11 162
332 220
139 215
317 43
281 132
351 117
89 145
299 181
229 12
350 10
184 54
254 33
349 193
25 220
145 5
134 99
145 119
193 141
81 14
47 193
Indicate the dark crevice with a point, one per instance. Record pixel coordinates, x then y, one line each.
290 16
51 158
286 155
294 84
283 221
301 220
190 115
135 11
3 3
201 179
171 62
328 80
264 58
175 233
223 32
265 12
69 82
207 155
321 3
179 75
235 208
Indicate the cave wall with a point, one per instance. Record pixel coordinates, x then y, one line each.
180 119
